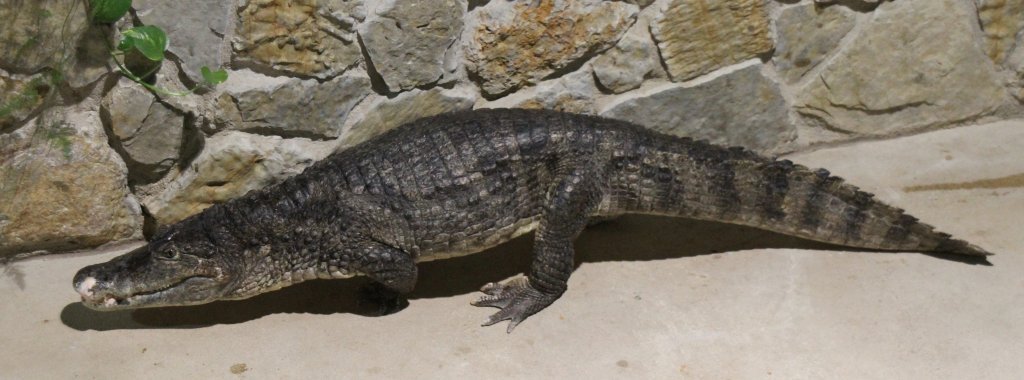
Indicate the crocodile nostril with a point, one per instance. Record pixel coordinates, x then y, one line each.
85 287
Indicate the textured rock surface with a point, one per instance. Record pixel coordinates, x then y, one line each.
149 142
1002 21
20 96
511 44
62 187
55 35
39 34
916 64
633 59
407 41
806 35
302 37
572 93
232 164
739 108
384 114
194 32
698 36
290 107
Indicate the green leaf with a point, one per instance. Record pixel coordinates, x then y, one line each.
148 40
109 11
214 77
125 45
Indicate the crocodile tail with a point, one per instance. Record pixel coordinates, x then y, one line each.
683 177
817 205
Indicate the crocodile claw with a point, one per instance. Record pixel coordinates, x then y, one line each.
516 299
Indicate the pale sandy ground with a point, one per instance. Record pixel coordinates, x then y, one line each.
649 300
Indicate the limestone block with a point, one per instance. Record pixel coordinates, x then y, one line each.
146 132
571 93
696 37
916 64
232 164
806 35
512 44
62 187
195 30
290 107
21 95
739 108
633 59
39 34
385 114
407 41
303 37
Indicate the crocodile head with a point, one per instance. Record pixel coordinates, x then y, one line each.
174 269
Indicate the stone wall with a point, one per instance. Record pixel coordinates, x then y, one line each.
87 157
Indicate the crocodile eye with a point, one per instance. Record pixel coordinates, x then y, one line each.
168 254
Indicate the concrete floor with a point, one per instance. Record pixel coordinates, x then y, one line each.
651 298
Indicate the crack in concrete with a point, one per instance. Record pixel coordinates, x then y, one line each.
1016 180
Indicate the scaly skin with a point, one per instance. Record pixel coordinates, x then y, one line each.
460 183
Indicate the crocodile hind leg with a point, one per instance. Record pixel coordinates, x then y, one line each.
569 204
393 272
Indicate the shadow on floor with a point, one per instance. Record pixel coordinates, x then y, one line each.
630 238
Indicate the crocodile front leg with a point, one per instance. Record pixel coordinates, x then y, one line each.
569 204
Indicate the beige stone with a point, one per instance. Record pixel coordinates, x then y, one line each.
20 96
696 37
633 59
407 41
39 34
62 187
232 164
384 114
742 108
915 64
195 30
146 132
302 37
512 44
574 92
1002 21
806 34
290 107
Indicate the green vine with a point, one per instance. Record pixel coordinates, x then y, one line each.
150 41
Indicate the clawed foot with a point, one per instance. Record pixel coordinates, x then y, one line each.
516 299
384 301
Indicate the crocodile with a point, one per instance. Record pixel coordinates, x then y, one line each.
460 183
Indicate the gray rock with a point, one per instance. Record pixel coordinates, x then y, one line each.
289 107
511 44
696 37
384 114
574 92
195 30
740 108
806 34
916 64
633 59
232 164
62 187
147 133
303 37
407 40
